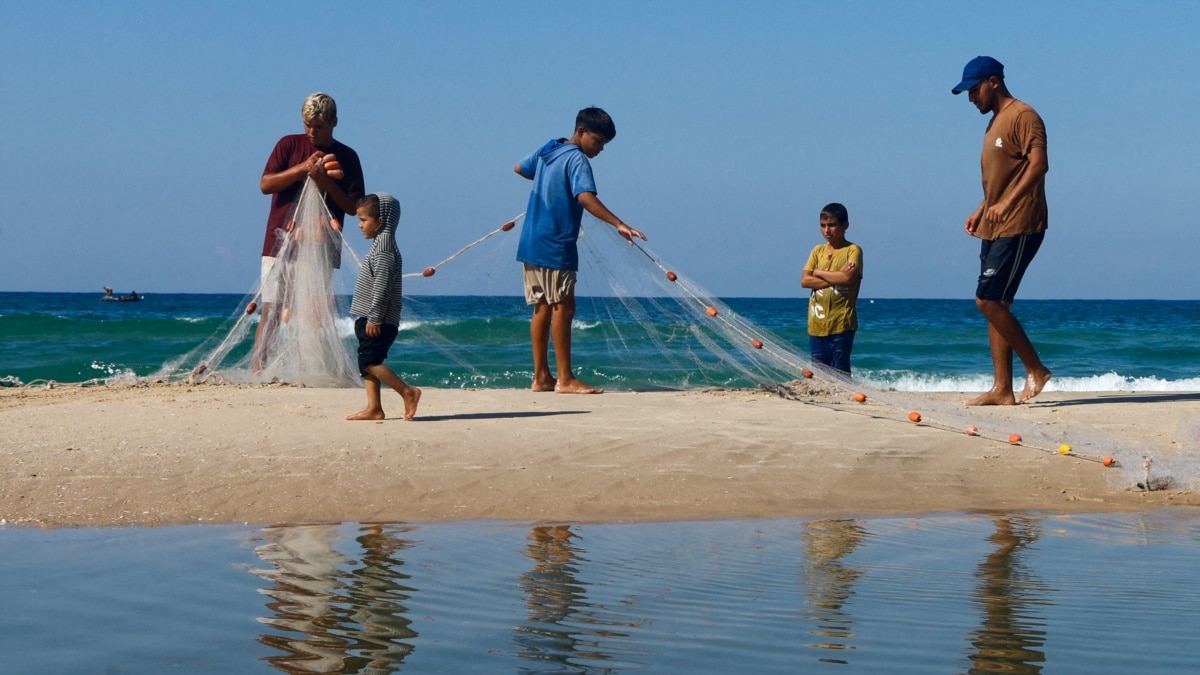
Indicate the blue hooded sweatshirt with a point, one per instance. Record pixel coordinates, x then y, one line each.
379 291
560 173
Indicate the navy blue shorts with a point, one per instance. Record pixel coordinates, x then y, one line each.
373 351
1003 262
832 350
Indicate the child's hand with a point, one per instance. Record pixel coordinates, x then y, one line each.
629 233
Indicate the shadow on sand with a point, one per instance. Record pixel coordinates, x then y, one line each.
496 415
1169 397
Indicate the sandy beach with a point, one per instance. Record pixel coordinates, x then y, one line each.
167 454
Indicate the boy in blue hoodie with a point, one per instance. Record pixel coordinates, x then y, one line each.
562 188
377 301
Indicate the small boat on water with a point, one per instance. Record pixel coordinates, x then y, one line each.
109 297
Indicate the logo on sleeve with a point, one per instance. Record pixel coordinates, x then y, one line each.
999 142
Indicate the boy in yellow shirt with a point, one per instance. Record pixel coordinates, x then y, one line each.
833 273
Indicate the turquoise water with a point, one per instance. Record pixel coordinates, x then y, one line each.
456 341
934 594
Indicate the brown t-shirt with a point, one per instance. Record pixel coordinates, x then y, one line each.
1011 134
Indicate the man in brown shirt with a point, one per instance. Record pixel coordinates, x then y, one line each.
1011 222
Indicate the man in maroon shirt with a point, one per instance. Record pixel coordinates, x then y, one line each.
297 157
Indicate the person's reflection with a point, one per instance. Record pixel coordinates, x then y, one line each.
551 595
351 618
377 599
828 582
304 573
563 631
1010 635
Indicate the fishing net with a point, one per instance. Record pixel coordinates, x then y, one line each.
647 326
298 332
662 329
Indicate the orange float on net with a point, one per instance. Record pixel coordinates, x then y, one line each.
1014 439
807 373
860 397
509 225
671 276
429 271
914 417
972 431
335 224
251 307
1108 461
200 369
756 343
712 311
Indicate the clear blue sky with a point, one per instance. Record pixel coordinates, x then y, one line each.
134 133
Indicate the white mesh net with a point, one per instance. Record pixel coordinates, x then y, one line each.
303 337
651 318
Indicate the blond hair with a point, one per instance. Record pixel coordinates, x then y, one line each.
319 106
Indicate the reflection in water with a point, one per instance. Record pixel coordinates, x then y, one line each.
935 594
1010 635
349 615
563 631
828 582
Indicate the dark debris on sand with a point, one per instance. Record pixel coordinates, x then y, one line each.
803 390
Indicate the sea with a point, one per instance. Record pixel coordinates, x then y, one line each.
915 345
937 593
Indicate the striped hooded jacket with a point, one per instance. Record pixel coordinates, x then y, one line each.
378 291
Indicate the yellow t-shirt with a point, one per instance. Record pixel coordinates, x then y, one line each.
832 310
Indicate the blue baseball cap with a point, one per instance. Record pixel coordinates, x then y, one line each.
979 69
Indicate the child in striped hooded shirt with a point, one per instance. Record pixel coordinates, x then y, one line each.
377 302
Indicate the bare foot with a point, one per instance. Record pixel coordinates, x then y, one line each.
574 386
993 397
368 414
410 402
1034 382
545 385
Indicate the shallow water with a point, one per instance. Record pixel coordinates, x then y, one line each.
1111 593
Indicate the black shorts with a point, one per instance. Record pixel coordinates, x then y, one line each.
1003 262
373 351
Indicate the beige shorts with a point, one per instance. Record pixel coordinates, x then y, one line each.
269 284
548 286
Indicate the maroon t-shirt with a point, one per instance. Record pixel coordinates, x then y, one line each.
290 151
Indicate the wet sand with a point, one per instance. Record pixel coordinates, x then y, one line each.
175 454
